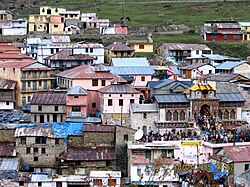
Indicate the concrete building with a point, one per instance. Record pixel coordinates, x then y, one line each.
48 107
56 24
142 46
5 15
14 27
30 77
105 178
7 94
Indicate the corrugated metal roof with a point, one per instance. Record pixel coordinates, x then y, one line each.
98 128
44 130
194 66
9 164
182 46
228 25
7 84
40 178
4 56
15 64
137 70
78 90
60 39
119 46
143 108
48 98
165 82
220 57
171 98
244 24
231 97
107 174
7 149
238 153
118 89
229 65
85 72
88 154
8 48
66 55
225 77
36 66
130 62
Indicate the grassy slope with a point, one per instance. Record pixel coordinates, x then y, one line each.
151 13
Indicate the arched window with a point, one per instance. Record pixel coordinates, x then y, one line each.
175 116
226 114
43 10
220 114
232 114
169 116
182 115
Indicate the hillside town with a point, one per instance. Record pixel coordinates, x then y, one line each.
83 114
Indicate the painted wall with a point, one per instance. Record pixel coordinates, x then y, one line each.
220 37
148 48
82 101
6 105
205 69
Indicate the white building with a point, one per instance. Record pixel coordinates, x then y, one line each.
105 178
14 27
93 49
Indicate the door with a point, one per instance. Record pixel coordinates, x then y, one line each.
41 118
54 118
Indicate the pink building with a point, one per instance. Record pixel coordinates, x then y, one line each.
121 29
115 100
77 103
91 78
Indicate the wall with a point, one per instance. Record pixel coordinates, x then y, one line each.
4 106
220 37
148 48
138 82
205 69
98 53
7 135
14 31
82 101
243 68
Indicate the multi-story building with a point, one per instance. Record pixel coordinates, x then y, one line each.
178 52
38 147
48 107
5 15
30 77
14 27
47 10
142 46
7 94
93 49
56 24
38 23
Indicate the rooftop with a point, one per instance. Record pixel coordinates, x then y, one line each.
182 46
226 77
143 108
7 84
229 65
119 46
15 64
10 56
238 153
231 97
119 89
48 98
78 90
130 61
171 98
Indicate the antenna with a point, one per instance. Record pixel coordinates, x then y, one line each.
138 134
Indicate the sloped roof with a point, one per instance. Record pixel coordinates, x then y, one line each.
171 98
4 56
119 89
78 90
8 48
119 46
7 84
238 153
224 77
48 98
165 82
136 70
86 72
130 62
7 150
88 153
66 54
226 97
15 64
194 66
182 46
229 65
118 79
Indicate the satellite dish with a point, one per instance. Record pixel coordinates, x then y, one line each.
138 134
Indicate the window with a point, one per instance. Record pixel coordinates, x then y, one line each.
95 82
197 52
132 101
110 102
225 37
141 46
168 153
35 118
93 105
125 137
61 117
56 108
232 114
175 116
40 83
182 115
27 150
29 98
120 102
246 167
7 103
210 71
237 37
76 97
35 158
120 95
87 50
144 115
91 50
213 37
47 118
169 116
56 10
57 141
51 51
28 83
43 150
103 83
35 150
39 183
138 172
40 140
40 108
21 183
148 154
142 78
76 108
23 140
55 26
43 10
14 70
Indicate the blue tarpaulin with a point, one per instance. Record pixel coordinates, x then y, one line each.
217 174
65 129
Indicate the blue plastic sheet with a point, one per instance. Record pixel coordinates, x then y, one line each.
217 174
65 129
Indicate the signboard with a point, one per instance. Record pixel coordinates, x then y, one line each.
191 143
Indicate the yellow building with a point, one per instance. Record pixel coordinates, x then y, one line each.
56 25
38 23
117 50
245 28
46 10
31 77
71 14
141 46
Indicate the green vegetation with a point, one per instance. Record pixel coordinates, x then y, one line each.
157 13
